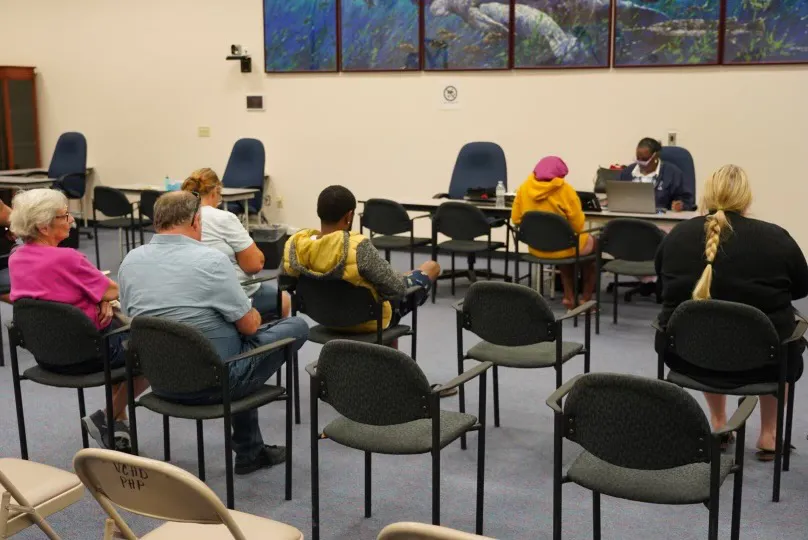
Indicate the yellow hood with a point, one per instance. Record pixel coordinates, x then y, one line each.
539 190
320 256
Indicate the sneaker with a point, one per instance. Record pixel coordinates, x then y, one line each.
96 426
123 440
267 457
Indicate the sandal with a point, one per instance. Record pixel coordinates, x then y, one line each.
766 455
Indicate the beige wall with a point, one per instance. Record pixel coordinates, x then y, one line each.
138 78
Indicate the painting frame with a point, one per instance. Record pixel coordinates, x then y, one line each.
416 54
714 60
426 7
728 33
336 45
609 46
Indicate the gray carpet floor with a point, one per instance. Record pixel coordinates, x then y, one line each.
518 483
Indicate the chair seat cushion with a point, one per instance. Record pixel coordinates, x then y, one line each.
264 395
322 335
46 488
630 268
252 527
539 355
721 388
116 223
688 484
43 376
409 438
527 257
398 242
469 246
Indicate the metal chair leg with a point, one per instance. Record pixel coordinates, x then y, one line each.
453 274
496 396
368 484
789 420
481 458
166 439
461 391
15 375
778 444
595 515
614 292
85 442
315 468
296 376
737 489
291 371
200 448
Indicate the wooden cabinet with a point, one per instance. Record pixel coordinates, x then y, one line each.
19 127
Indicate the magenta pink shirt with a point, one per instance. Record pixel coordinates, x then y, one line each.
58 275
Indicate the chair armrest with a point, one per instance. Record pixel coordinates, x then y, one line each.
117 331
555 398
463 378
253 281
36 173
498 222
440 196
586 306
799 316
311 369
799 332
656 326
458 306
740 416
269 347
592 229
422 216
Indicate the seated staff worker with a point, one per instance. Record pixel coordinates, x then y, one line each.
667 178
222 230
42 271
728 256
334 252
546 190
177 277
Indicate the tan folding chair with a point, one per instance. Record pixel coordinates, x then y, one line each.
421 531
30 492
162 491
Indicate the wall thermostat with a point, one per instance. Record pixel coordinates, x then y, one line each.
255 103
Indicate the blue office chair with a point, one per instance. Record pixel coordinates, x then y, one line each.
68 167
683 159
478 165
245 169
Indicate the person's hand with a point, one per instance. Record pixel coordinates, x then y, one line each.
104 313
677 206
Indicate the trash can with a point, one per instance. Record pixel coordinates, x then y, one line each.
270 239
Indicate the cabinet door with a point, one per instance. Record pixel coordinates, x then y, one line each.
5 162
22 116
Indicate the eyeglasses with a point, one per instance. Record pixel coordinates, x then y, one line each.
66 216
198 205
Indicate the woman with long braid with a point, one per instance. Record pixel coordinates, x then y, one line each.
727 255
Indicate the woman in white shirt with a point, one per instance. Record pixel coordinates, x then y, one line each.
222 230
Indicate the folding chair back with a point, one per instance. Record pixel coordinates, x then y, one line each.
150 488
545 231
335 303
507 314
722 336
383 216
422 531
56 334
635 422
372 384
174 357
460 221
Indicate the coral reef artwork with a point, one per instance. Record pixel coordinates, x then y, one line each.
766 31
380 35
667 32
466 34
300 35
561 33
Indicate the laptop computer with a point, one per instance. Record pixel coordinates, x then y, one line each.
631 197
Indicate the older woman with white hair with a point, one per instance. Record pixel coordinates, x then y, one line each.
41 270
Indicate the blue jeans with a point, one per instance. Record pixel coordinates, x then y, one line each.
5 280
246 377
265 300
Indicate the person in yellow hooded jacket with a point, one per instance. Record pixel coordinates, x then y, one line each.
546 190
334 252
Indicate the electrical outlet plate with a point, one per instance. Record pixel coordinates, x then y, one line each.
672 138
203 131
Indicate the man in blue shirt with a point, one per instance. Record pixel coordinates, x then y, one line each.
177 277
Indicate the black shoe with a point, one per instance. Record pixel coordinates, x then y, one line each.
267 457
123 440
96 426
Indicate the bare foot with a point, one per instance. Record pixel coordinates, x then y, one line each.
766 441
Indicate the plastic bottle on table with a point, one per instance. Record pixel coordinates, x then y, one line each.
500 192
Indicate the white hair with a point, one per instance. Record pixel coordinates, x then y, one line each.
33 209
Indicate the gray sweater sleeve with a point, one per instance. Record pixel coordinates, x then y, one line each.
376 270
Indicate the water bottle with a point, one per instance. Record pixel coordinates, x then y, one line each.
500 194
167 183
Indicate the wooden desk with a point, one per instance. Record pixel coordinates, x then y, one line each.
228 195
24 182
598 218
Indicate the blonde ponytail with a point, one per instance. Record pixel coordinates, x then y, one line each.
727 190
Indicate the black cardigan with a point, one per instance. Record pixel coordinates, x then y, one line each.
757 264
